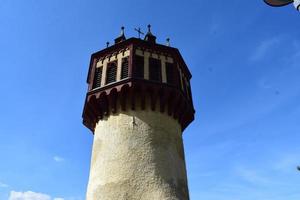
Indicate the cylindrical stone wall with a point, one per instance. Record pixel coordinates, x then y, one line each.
138 155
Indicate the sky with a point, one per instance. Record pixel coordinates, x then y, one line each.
244 143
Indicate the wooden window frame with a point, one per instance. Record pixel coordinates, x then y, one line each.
122 68
137 73
96 82
172 80
108 67
151 68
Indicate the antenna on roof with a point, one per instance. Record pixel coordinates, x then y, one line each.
139 31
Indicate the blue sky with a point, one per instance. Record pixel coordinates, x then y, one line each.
244 57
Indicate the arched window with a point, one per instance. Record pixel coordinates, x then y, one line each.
97 77
124 70
154 69
170 72
178 77
139 67
111 72
184 86
189 90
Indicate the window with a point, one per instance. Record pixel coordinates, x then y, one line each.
184 86
139 67
189 90
170 73
178 77
124 70
111 73
154 69
97 77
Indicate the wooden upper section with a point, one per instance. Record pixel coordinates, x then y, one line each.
136 74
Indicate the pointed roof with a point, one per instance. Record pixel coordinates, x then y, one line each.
122 37
149 37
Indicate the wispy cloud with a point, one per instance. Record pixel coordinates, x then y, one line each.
29 195
263 48
3 185
58 159
287 163
73 198
252 176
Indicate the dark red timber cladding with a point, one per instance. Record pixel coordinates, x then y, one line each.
103 101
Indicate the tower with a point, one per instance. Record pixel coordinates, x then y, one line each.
138 103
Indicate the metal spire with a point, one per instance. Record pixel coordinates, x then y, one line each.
139 31
168 42
149 36
122 37
122 31
149 29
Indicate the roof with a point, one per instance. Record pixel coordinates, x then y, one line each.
140 43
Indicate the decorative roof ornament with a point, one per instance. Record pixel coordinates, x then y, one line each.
122 37
168 42
279 3
149 36
107 44
149 30
122 31
139 31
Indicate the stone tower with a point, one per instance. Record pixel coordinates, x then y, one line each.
138 103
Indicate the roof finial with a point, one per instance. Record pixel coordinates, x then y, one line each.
139 32
149 36
168 42
107 44
122 37
122 31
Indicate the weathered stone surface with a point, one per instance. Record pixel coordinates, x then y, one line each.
138 155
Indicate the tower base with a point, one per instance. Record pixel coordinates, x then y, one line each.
138 155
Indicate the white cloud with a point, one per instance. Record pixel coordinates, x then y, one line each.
263 48
73 198
29 195
58 159
3 185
